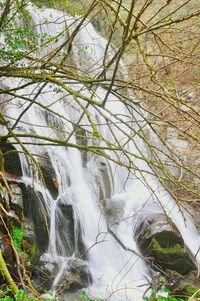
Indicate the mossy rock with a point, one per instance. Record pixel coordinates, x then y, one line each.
162 243
169 256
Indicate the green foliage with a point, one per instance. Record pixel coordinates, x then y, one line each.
22 295
17 236
20 41
72 7
85 297
164 294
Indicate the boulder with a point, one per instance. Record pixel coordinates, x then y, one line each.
36 215
16 202
42 278
160 241
65 227
181 284
77 276
104 179
49 174
114 210
12 165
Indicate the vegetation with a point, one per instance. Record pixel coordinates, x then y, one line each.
190 294
7 295
6 274
17 236
157 59
164 294
85 297
159 41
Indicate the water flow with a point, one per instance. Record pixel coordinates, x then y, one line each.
116 272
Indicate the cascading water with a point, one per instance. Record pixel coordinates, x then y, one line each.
114 270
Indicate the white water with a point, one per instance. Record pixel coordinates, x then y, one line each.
117 274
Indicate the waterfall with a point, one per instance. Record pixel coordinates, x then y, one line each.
85 183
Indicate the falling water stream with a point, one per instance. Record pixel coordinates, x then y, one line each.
116 273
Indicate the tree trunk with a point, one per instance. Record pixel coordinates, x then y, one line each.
6 274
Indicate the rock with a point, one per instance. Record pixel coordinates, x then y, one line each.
69 296
6 249
13 204
29 242
77 276
81 139
49 174
161 242
42 279
190 280
12 165
36 215
101 177
65 227
46 270
16 203
106 179
17 193
75 273
114 210
185 286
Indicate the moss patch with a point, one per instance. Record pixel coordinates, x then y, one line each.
169 254
17 236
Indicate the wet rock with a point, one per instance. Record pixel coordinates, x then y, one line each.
42 279
13 204
71 273
114 210
81 138
28 229
49 174
36 215
161 242
44 272
102 180
29 242
81 250
12 165
65 226
16 203
182 283
105 178
77 276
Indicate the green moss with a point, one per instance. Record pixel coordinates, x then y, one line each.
29 252
33 252
175 249
172 256
17 236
